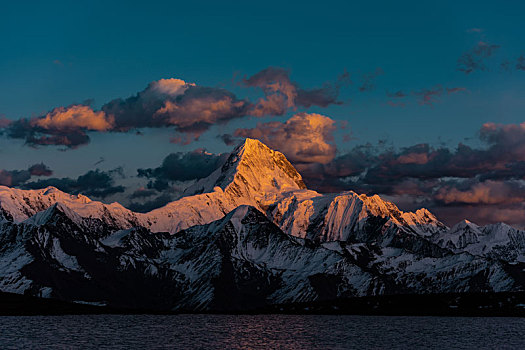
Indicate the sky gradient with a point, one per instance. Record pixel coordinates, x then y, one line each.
420 103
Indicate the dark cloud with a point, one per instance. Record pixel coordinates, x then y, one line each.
4 122
281 93
228 139
475 58
464 177
482 214
16 178
182 167
40 169
142 193
94 183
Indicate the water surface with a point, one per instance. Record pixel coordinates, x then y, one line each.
259 332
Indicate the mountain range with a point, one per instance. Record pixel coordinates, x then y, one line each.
248 236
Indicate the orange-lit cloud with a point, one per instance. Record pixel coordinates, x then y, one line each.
488 192
172 86
304 138
73 118
196 116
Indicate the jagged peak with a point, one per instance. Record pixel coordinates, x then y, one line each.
23 204
249 143
49 191
240 213
464 225
255 155
239 217
500 227
45 216
377 205
251 167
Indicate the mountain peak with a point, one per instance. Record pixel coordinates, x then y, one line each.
252 144
53 213
464 225
263 170
252 169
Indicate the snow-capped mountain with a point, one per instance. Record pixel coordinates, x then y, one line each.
248 235
499 241
18 205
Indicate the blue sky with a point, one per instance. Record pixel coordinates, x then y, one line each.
60 53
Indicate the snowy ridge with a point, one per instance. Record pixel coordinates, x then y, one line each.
499 241
20 205
340 217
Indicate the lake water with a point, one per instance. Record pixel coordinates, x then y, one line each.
260 332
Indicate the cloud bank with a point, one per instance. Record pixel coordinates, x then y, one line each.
19 177
94 183
470 180
188 109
